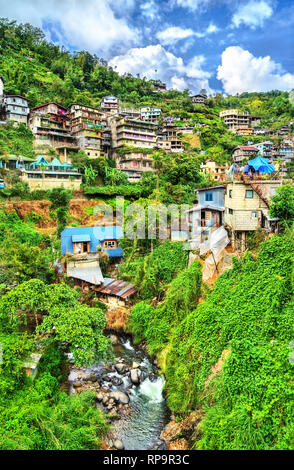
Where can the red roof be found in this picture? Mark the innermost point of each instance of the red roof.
(246, 147)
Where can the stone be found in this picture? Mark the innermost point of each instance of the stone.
(121, 368)
(105, 400)
(135, 365)
(118, 445)
(91, 378)
(99, 396)
(152, 377)
(114, 340)
(116, 381)
(120, 397)
(135, 376)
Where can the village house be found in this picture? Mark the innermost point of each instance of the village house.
(82, 246)
(109, 105)
(244, 130)
(246, 208)
(50, 125)
(243, 153)
(207, 215)
(134, 163)
(40, 174)
(132, 132)
(216, 171)
(16, 108)
(235, 119)
(265, 149)
(199, 99)
(169, 138)
(150, 114)
(88, 130)
(158, 86)
(132, 113)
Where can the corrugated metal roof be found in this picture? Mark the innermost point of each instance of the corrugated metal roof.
(87, 271)
(118, 288)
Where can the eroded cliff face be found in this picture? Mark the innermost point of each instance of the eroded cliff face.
(81, 211)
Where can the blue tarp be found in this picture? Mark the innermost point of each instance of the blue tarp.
(261, 164)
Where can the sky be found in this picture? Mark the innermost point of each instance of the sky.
(228, 46)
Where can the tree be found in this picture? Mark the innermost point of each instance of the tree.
(282, 203)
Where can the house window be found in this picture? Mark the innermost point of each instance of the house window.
(109, 244)
(231, 211)
(230, 193)
(253, 215)
(249, 194)
(208, 196)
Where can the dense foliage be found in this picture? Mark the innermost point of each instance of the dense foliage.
(247, 320)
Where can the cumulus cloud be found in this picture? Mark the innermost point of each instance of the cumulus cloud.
(192, 5)
(241, 71)
(96, 25)
(174, 34)
(171, 35)
(252, 14)
(155, 62)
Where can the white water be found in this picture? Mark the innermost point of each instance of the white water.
(152, 390)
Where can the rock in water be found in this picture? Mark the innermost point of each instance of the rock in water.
(114, 340)
(119, 445)
(121, 368)
(135, 376)
(120, 397)
(135, 365)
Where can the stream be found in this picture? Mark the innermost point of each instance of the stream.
(140, 407)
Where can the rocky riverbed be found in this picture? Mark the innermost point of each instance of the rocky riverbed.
(130, 391)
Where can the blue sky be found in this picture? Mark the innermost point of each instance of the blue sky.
(221, 45)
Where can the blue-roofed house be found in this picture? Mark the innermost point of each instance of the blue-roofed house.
(79, 240)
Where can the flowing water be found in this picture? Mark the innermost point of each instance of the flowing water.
(140, 429)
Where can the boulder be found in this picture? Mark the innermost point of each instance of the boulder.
(118, 445)
(114, 340)
(99, 396)
(116, 381)
(91, 378)
(121, 368)
(120, 397)
(135, 376)
(135, 365)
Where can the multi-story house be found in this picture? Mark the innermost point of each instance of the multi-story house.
(51, 127)
(16, 108)
(244, 153)
(265, 149)
(41, 174)
(234, 119)
(158, 86)
(199, 99)
(134, 164)
(150, 114)
(169, 138)
(87, 127)
(110, 105)
(216, 171)
(246, 208)
(132, 132)
(207, 215)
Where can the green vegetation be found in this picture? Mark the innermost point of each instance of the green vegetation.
(247, 318)
(38, 316)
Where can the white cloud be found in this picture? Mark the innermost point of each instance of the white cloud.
(192, 5)
(96, 25)
(252, 14)
(150, 10)
(240, 71)
(173, 34)
(170, 68)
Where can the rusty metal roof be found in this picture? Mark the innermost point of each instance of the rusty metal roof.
(117, 288)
